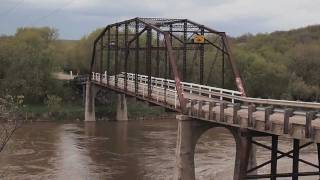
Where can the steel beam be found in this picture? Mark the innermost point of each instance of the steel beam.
(201, 60)
(136, 84)
(126, 56)
(274, 155)
(184, 63)
(175, 72)
(158, 55)
(108, 56)
(148, 59)
(116, 56)
(287, 154)
(295, 162)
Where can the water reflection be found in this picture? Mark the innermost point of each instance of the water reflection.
(72, 160)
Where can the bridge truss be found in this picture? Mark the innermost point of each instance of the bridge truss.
(177, 49)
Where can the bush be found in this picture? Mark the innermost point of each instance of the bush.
(54, 103)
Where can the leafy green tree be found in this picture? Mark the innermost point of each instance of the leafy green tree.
(29, 63)
(9, 117)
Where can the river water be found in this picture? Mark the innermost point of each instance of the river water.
(134, 150)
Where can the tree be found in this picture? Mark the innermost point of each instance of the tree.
(28, 57)
(9, 119)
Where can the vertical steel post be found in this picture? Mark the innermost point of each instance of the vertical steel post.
(170, 29)
(92, 60)
(318, 149)
(201, 58)
(274, 159)
(148, 59)
(222, 68)
(184, 68)
(295, 163)
(108, 56)
(116, 55)
(165, 74)
(158, 55)
(101, 58)
(126, 57)
(136, 85)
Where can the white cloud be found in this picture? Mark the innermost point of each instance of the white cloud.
(233, 16)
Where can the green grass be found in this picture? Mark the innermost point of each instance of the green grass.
(136, 109)
(76, 111)
(35, 108)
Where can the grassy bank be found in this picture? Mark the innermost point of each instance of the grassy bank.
(41, 112)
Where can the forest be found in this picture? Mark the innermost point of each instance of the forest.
(281, 65)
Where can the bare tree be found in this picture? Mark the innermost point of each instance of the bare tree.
(9, 118)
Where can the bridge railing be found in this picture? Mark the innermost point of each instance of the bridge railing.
(225, 94)
(202, 90)
(211, 92)
(294, 118)
(161, 92)
(81, 78)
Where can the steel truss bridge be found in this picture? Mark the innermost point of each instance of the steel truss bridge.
(189, 68)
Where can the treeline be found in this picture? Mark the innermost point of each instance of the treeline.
(27, 61)
(281, 65)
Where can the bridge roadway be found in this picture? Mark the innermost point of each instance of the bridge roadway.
(293, 119)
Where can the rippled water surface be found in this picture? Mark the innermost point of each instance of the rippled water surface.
(120, 151)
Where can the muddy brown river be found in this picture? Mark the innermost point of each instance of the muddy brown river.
(135, 150)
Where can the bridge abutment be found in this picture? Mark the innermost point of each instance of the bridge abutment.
(89, 114)
(122, 110)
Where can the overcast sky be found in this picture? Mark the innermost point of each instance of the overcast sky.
(75, 18)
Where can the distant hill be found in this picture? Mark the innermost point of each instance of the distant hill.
(281, 64)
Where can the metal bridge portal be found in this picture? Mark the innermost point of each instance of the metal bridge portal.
(177, 49)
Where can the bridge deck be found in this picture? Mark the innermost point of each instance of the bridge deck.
(226, 107)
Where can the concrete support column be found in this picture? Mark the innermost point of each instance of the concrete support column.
(189, 131)
(253, 159)
(122, 111)
(244, 147)
(84, 94)
(89, 114)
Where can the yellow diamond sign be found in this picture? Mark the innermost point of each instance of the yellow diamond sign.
(198, 39)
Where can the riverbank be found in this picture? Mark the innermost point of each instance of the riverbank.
(75, 112)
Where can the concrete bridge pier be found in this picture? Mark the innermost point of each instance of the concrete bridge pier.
(243, 159)
(84, 94)
(190, 130)
(122, 110)
(89, 114)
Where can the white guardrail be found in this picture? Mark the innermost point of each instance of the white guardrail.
(160, 93)
(207, 91)
(169, 84)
